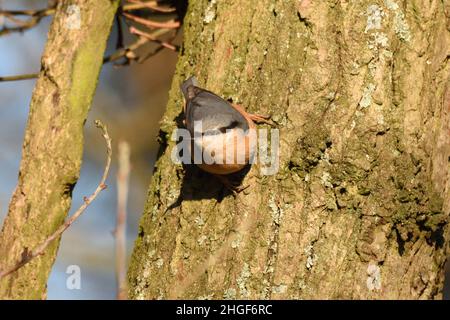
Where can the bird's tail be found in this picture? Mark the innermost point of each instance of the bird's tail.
(192, 81)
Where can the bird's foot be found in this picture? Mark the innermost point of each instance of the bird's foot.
(233, 186)
(257, 118)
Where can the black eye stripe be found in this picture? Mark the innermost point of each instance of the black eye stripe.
(222, 130)
(232, 125)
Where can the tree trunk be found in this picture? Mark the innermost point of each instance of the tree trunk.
(359, 207)
(53, 145)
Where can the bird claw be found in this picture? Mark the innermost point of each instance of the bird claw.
(233, 186)
(258, 118)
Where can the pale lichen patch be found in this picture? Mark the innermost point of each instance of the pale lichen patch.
(206, 297)
(276, 211)
(366, 99)
(311, 257)
(236, 243)
(154, 212)
(242, 281)
(159, 263)
(139, 291)
(173, 194)
(375, 16)
(229, 294)
(401, 27)
(373, 281)
(391, 5)
(73, 20)
(201, 240)
(380, 40)
(199, 221)
(210, 12)
(326, 179)
(280, 289)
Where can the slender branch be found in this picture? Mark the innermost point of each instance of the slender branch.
(127, 52)
(150, 37)
(123, 176)
(28, 255)
(36, 17)
(150, 5)
(19, 77)
(31, 13)
(172, 24)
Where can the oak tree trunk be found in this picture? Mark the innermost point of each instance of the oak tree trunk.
(359, 207)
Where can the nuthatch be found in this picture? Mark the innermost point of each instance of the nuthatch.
(225, 129)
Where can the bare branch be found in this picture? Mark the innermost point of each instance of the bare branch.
(30, 13)
(150, 37)
(171, 24)
(123, 177)
(153, 5)
(128, 52)
(28, 255)
(36, 17)
(19, 77)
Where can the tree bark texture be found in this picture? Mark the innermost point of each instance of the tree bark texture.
(53, 143)
(359, 208)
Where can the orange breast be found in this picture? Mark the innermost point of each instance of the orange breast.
(231, 151)
(235, 149)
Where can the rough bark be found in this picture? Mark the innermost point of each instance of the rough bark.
(359, 207)
(53, 143)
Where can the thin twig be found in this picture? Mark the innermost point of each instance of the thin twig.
(123, 176)
(28, 255)
(127, 52)
(31, 13)
(36, 17)
(172, 24)
(150, 37)
(19, 77)
(150, 5)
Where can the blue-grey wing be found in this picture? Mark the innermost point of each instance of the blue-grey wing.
(215, 113)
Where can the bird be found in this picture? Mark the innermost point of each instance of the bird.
(226, 136)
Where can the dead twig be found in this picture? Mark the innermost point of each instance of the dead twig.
(28, 255)
(153, 5)
(171, 24)
(150, 37)
(123, 177)
(129, 51)
(36, 17)
(19, 77)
